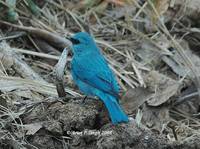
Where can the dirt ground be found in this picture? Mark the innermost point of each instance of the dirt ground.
(151, 45)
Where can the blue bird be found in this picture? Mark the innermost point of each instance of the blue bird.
(93, 76)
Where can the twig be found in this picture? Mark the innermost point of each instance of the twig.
(34, 85)
(13, 36)
(59, 73)
(53, 57)
(185, 98)
(52, 38)
(7, 56)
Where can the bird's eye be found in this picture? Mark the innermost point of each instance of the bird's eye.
(74, 41)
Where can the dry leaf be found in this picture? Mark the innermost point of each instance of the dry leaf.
(101, 7)
(32, 128)
(162, 86)
(148, 54)
(161, 7)
(178, 64)
(155, 117)
(134, 98)
(138, 117)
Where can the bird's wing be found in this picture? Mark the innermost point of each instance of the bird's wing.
(95, 72)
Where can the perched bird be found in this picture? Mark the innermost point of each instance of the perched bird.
(93, 76)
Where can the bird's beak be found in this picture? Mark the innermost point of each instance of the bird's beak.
(74, 41)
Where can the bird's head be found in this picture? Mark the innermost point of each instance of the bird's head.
(82, 43)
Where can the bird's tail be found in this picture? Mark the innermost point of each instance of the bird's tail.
(116, 113)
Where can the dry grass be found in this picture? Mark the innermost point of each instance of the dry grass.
(120, 32)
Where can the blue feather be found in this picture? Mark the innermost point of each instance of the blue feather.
(116, 113)
(93, 76)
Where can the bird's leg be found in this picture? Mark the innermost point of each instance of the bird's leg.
(83, 101)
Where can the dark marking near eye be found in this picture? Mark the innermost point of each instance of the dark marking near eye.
(74, 41)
